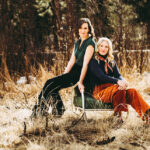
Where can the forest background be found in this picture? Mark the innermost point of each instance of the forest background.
(36, 41)
(42, 32)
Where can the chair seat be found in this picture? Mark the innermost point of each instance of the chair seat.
(90, 102)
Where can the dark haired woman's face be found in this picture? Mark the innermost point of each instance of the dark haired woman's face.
(103, 48)
(83, 30)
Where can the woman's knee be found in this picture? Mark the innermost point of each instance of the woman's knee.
(131, 95)
(131, 91)
(48, 82)
(120, 92)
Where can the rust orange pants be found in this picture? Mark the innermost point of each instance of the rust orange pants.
(121, 98)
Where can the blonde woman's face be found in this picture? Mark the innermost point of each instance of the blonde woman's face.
(83, 30)
(103, 48)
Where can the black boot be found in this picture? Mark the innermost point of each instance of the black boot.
(40, 109)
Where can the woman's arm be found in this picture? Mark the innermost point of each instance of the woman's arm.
(70, 63)
(97, 71)
(121, 82)
(117, 74)
(87, 57)
(99, 74)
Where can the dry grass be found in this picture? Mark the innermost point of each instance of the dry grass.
(101, 131)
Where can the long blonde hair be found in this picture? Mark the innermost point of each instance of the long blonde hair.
(110, 56)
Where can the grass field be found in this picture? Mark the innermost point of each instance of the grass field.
(101, 131)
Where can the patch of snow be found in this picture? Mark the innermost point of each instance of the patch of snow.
(23, 80)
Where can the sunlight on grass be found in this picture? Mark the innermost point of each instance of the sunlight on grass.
(17, 101)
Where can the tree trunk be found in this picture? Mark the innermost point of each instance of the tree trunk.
(148, 34)
(57, 13)
(71, 26)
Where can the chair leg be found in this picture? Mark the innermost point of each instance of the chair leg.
(83, 106)
(84, 116)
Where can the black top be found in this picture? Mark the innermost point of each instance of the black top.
(98, 74)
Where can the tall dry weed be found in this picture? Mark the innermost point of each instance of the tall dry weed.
(69, 132)
(5, 72)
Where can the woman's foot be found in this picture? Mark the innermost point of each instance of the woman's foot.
(147, 117)
(119, 117)
(118, 120)
(117, 114)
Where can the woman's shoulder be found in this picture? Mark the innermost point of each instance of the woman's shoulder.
(91, 41)
(95, 59)
(113, 63)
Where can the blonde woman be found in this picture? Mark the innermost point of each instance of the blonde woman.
(110, 87)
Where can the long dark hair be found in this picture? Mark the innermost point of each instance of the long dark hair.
(86, 20)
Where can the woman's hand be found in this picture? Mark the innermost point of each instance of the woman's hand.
(81, 86)
(122, 84)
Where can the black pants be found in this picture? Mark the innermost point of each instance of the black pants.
(52, 87)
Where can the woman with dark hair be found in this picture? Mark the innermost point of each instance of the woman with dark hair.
(75, 71)
(110, 87)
